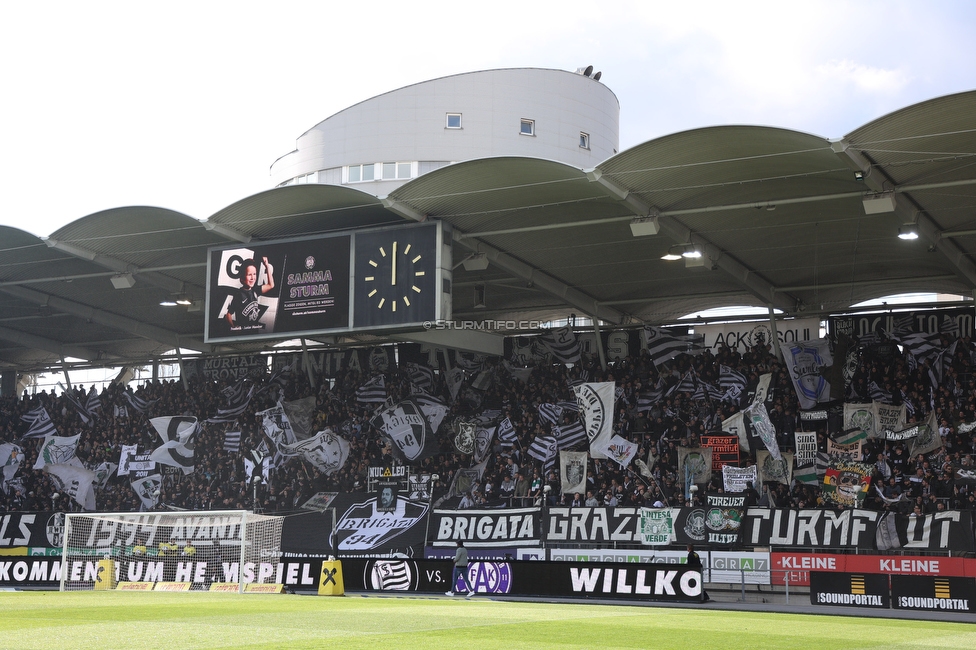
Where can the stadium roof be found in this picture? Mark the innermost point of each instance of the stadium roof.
(779, 216)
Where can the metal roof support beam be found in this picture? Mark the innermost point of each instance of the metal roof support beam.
(640, 207)
(402, 209)
(108, 319)
(227, 231)
(748, 278)
(164, 282)
(40, 343)
(906, 207)
(573, 296)
(681, 234)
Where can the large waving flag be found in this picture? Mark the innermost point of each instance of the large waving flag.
(178, 434)
(40, 424)
(595, 402)
(410, 428)
(663, 346)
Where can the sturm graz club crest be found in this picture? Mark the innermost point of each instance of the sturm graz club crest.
(391, 575)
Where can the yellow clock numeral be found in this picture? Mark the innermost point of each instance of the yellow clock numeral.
(373, 264)
(407, 249)
(416, 288)
(371, 293)
(414, 260)
(406, 301)
(368, 278)
(382, 252)
(419, 273)
(393, 305)
(380, 306)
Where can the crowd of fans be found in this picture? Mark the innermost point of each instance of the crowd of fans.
(220, 480)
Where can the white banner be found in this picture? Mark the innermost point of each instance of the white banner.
(805, 361)
(656, 526)
(572, 471)
(806, 447)
(596, 405)
(742, 336)
(736, 478)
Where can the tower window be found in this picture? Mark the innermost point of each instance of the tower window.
(454, 120)
(527, 127)
(584, 140)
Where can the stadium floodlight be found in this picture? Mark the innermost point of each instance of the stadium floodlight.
(908, 232)
(196, 547)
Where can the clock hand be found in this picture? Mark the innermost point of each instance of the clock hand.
(393, 281)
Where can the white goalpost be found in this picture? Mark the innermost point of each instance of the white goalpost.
(198, 548)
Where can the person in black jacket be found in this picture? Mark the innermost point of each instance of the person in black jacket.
(694, 562)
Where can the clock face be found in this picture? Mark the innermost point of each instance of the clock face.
(395, 274)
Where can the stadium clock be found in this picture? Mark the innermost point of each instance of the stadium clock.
(396, 274)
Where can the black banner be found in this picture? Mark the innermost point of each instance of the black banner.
(367, 361)
(214, 368)
(933, 593)
(36, 572)
(929, 321)
(850, 589)
(31, 529)
(362, 529)
(507, 527)
(938, 531)
(593, 525)
(717, 524)
(810, 528)
(529, 578)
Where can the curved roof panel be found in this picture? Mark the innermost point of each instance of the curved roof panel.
(780, 217)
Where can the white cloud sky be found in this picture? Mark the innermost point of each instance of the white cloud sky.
(186, 105)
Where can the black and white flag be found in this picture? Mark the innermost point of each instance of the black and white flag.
(236, 405)
(662, 345)
(411, 430)
(373, 391)
(40, 424)
(506, 434)
(596, 405)
(138, 403)
(232, 441)
(732, 382)
(544, 449)
(570, 435)
(563, 344)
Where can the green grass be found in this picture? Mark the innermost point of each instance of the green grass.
(48, 620)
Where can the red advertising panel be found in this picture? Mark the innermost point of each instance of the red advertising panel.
(796, 567)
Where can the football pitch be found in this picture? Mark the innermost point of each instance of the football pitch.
(49, 620)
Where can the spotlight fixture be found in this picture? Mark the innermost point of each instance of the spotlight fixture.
(908, 232)
(673, 254)
(123, 281)
(687, 251)
(644, 226)
(167, 302)
(859, 175)
(879, 203)
(475, 262)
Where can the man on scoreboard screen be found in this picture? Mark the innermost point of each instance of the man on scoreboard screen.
(242, 309)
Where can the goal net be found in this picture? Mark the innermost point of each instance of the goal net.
(195, 547)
